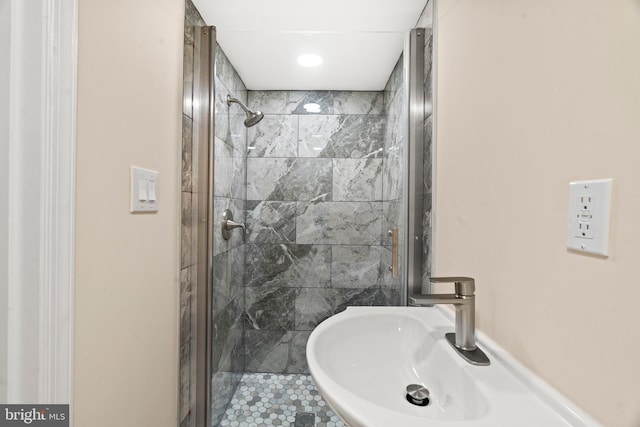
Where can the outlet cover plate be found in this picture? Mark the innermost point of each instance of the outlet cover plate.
(589, 216)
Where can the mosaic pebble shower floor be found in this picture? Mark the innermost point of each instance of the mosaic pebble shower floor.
(278, 400)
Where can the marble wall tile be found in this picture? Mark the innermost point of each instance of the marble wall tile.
(395, 80)
(323, 102)
(288, 265)
(224, 69)
(289, 179)
(355, 266)
(346, 223)
(230, 128)
(229, 172)
(228, 278)
(270, 308)
(276, 351)
(186, 230)
(185, 380)
(271, 222)
(427, 155)
(290, 102)
(228, 350)
(185, 304)
(185, 340)
(313, 305)
(315, 134)
(341, 136)
(187, 154)
(187, 79)
(349, 102)
(392, 184)
(275, 136)
(392, 216)
(428, 72)
(357, 180)
(192, 19)
(426, 240)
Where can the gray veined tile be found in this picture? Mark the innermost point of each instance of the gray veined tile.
(392, 182)
(289, 179)
(427, 154)
(288, 265)
(229, 171)
(271, 222)
(187, 154)
(270, 308)
(392, 216)
(314, 102)
(315, 305)
(186, 285)
(274, 136)
(355, 266)
(276, 351)
(230, 128)
(315, 134)
(223, 169)
(356, 102)
(228, 276)
(186, 230)
(357, 179)
(187, 79)
(290, 102)
(347, 223)
(341, 136)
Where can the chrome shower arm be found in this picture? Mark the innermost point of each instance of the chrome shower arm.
(231, 99)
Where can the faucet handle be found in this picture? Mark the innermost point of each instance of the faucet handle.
(464, 285)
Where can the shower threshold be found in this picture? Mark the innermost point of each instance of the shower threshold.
(292, 400)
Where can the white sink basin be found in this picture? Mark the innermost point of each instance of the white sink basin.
(363, 359)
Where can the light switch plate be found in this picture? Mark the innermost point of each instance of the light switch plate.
(144, 190)
(589, 216)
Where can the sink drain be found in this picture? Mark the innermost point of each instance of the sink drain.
(417, 395)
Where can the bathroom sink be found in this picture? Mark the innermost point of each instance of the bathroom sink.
(363, 359)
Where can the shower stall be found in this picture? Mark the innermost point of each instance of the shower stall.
(296, 205)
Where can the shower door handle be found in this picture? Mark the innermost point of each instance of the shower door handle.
(228, 224)
(393, 268)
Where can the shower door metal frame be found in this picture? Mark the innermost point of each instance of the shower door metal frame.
(205, 93)
(414, 161)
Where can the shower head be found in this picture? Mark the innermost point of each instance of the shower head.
(253, 117)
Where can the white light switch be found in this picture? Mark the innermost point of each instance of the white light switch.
(144, 190)
(589, 216)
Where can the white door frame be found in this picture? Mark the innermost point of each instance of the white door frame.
(40, 202)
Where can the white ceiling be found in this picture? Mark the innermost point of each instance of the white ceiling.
(360, 41)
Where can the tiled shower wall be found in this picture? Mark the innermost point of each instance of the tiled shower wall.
(317, 183)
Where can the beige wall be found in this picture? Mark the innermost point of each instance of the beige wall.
(532, 95)
(126, 312)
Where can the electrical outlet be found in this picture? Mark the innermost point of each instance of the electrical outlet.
(589, 216)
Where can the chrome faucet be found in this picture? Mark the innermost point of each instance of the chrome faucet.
(464, 302)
